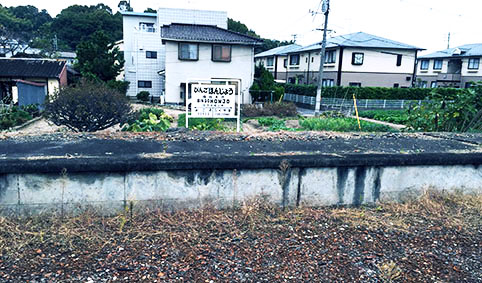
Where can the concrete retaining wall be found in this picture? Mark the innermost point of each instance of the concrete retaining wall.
(111, 192)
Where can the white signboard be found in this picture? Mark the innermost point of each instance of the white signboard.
(214, 98)
(213, 101)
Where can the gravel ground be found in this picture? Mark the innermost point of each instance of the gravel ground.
(436, 238)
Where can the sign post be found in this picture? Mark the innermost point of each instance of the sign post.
(214, 98)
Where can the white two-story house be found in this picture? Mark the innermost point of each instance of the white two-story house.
(454, 67)
(357, 59)
(144, 53)
(274, 60)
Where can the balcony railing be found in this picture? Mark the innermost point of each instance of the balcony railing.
(449, 77)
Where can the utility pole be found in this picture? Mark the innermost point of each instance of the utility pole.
(326, 11)
(448, 41)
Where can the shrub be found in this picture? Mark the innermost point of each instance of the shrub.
(87, 107)
(143, 95)
(13, 117)
(371, 92)
(279, 109)
(201, 124)
(120, 86)
(273, 124)
(460, 113)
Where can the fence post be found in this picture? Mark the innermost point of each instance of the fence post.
(403, 102)
(384, 103)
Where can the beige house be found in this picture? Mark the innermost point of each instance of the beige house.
(275, 60)
(357, 59)
(454, 67)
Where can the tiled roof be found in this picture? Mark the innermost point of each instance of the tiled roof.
(31, 68)
(282, 50)
(359, 39)
(467, 50)
(205, 33)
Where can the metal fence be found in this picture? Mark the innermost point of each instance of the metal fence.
(348, 103)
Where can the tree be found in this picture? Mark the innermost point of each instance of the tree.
(13, 31)
(87, 107)
(125, 6)
(98, 57)
(31, 14)
(150, 10)
(77, 23)
(268, 44)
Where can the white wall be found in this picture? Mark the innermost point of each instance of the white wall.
(179, 71)
(431, 71)
(471, 73)
(379, 61)
(137, 66)
(136, 43)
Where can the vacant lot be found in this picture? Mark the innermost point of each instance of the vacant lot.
(437, 238)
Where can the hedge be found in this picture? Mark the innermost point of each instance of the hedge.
(371, 92)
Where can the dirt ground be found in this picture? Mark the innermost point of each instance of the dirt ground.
(436, 238)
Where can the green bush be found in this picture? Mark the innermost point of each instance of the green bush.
(120, 86)
(372, 92)
(143, 95)
(273, 124)
(201, 124)
(460, 113)
(149, 120)
(341, 125)
(13, 117)
(87, 106)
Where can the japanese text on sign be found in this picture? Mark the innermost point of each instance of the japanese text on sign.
(217, 101)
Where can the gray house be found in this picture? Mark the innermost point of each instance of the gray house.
(357, 59)
(454, 67)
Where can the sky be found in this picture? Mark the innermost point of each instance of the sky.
(423, 23)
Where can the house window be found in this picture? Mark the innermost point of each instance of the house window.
(422, 84)
(312, 59)
(396, 85)
(285, 63)
(355, 84)
(437, 64)
(330, 56)
(147, 27)
(474, 63)
(270, 61)
(188, 51)
(328, 83)
(221, 53)
(151, 54)
(144, 84)
(357, 58)
(424, 65)
(433, 84)
(295, 60)
(399, 60)
(468, 84)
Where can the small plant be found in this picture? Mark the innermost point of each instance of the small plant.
(273, 124)
(14, 116)
(390, 116)
(143, 95)
(279, 109)
(87, 107)
(149, 120)
(202, 124)
(389, 272)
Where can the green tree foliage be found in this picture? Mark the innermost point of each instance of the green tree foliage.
(449, 113)
(125, 6)
(268, 44)
(88, 107)
(98, 57)
(13, 31)
(150, 10)
(32, 15)
(77, 23)
(264, 87)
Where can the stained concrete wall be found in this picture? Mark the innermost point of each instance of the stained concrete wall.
(111, 192)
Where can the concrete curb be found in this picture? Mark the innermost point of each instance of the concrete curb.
(129, 163)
